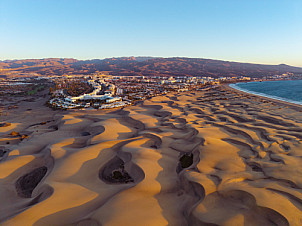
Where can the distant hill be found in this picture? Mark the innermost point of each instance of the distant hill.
(147, 66)
(47, 62)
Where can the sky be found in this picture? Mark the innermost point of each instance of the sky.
(256, 31)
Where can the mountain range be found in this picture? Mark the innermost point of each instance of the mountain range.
(147, 66)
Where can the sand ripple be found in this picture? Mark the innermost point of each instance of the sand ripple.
(216, 157)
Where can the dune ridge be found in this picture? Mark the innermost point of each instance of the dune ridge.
(215, 157)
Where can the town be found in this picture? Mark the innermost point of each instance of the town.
(100, 91)
(103, 91)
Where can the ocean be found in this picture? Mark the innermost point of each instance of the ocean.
(286, 90)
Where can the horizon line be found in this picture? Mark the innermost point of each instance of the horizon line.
(85, 59)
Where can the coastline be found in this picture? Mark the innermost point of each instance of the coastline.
(276, 101)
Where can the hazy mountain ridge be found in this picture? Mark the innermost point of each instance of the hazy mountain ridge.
(9, 64)
(175, 66)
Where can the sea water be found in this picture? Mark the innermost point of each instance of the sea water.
(286, 90)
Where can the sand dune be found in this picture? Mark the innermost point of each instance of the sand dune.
(217, 157)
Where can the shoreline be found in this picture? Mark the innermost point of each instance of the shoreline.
(266, 95)
(279, 102)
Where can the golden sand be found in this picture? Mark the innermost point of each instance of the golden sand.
(217, 157)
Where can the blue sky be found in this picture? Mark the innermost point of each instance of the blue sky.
(261, 31)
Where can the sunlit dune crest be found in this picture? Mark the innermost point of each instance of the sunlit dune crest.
(216, 157)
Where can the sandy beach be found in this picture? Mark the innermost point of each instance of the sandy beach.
(215, 157)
